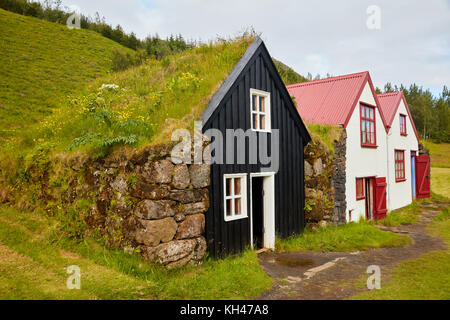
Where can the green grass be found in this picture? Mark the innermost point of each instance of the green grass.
(440, 178)
(43, 62)
(406, 215)
(326, 134)
(427, 277)
(439, 152)
(348, 237)
(152, 100)
(28, 247)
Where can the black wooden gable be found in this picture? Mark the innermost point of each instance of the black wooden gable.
(230, 109)
(255, 50)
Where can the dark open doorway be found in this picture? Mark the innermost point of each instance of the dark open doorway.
(369, 198)
(258, 211)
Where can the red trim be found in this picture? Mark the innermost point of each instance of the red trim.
(375, 96)
(410, 117)
(402, 162)
(363, 189)
(403, 117)
(370, 120)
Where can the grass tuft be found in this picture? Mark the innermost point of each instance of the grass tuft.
(348, 237)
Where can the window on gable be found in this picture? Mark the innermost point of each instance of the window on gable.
(399, 165)
(403, 125)
(260, 110)
(368, 128)
(235, 189)
(360, 189)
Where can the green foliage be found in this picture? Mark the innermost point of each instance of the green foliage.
(348, 237)
(54, 12)
(122, 61)
(40, 65)
(431, 114)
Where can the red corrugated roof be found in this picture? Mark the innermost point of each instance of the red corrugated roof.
(389, 103)
(332, 100)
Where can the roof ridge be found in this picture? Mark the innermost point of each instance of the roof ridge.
(387, 94)
(327, 80)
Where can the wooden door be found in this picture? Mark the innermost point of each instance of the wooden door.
(423, 176)
(380, 198)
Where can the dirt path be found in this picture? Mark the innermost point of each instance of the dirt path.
(333, 275)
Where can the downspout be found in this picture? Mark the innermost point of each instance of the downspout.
(388, 163)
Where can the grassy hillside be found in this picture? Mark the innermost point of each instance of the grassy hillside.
(142, 104)
(288, 75)
(440, 153)
(41, 63)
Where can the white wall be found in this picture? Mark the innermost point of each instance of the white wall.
(363, 162)
(400, 193)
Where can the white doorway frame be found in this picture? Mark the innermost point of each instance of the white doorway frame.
(269, 208)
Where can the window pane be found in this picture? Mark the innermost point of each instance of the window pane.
(372, 138)
(229, 209)
(262, 104)
(228, 187)
(254, 102)
(372, 129)
(237, 186)
(371, 113)
(255, 121)
(262, 122)
(237, 206)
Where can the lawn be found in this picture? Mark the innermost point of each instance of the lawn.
(440, 154)
(33, 265)
(440, 181)
(348, 237)
(427, 277)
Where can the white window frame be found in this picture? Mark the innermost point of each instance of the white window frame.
(266, 113)
(243, 196)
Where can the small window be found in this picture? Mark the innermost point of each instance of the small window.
(260, 110)
(235, 189)
(360, 194)
(368, 128)
(403, 125)
(399, 166)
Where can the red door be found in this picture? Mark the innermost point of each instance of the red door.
(380, 198)
(423, 176)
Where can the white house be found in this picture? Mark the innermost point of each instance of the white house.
(377, 153)
(402, 148)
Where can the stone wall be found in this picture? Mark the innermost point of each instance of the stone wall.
(339, 179)
(325, 181)
(143, 203)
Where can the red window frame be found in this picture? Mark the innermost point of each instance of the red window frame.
(403, 124)
(362, 195)
(368, 117)
(399, 168)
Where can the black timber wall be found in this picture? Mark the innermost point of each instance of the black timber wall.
(233, 113)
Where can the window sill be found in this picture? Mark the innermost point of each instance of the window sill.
(370, 146)
(235, 218)
(400, 180)
(263, 131)
(404, 134)
(360, 198)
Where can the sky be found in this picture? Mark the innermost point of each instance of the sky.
(401, 41)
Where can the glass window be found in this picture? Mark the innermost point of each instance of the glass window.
(235, 196)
